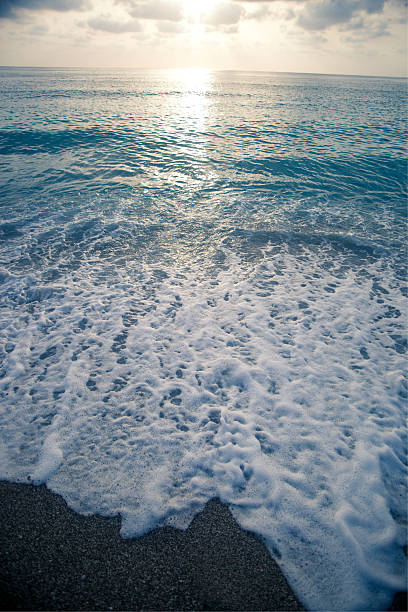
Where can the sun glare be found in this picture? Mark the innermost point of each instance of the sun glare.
(193, 80)
(195, 8)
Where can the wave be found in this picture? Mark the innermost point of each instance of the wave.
(278, 388)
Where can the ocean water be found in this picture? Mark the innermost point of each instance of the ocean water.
(203, 294)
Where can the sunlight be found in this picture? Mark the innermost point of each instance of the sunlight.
(195, 8)
(194, 81)
(193, 84)
(189, 111)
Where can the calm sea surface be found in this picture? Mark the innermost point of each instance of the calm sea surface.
(202, 294)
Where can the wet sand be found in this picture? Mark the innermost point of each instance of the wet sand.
(54, 559)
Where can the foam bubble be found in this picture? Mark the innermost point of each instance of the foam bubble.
(49, 460)
(277, 386)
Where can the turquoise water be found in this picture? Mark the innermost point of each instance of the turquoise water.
(202, 293)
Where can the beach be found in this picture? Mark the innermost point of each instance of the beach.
(52, 558)
(202, 296)
(55, 559)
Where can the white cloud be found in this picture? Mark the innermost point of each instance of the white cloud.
(223, 14)
(170, 27)
(167, 10)
(260, 13)
(39, 30)
(106, 24)
(362, 30)
(351, 36)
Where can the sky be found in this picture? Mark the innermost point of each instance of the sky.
(366, 37)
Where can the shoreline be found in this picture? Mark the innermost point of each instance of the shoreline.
(52, 558)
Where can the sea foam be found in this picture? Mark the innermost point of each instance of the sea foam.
(201, 294)
(277, 387)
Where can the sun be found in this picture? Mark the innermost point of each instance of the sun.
(193, 9)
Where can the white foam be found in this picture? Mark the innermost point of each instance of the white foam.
(49, 460)
(276, 388)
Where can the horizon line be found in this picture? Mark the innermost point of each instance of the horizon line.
(368, 76)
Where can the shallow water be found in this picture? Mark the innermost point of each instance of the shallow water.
(202, 294)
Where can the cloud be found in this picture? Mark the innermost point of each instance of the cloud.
(9, 9)
(167, 10)
(39, 30)
(324, 14)
(223, 14)
(170, 27)
(260, 13)
(105, 24)
(265, 1)
(361, 30)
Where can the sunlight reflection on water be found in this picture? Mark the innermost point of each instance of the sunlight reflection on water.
(189, 113)
(201, 293)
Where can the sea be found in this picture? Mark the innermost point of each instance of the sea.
(202, 294)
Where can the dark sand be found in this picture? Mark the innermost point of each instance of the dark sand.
(54, 559)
